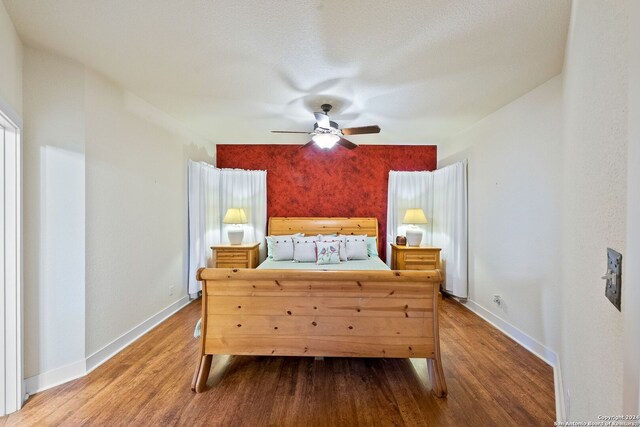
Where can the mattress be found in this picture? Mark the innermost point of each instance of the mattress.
(373, 263)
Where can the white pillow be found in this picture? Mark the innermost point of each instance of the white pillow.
(282, 248)
(270, 240)
(304, 249)
(372, 246)
(357, 247)
(326, 237)
(343, 244)
(328, 252)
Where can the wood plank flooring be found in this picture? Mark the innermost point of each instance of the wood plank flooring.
(492, 382)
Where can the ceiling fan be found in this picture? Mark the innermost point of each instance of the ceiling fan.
(326, 133)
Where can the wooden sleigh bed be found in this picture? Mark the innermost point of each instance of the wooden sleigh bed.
(361, 313)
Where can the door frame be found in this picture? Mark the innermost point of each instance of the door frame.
(11, 355)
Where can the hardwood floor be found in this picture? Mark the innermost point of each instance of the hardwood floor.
(499, 383)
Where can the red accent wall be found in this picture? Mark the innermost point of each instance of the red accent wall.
(336, 182)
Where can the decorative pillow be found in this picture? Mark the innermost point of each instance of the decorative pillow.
(357, 247)
(326, 237)
(343, 245)
(304, 249)
(270, 242)
(372, 246)
(282, 248)
(328, 252)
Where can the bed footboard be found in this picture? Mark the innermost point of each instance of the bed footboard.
(320, 313)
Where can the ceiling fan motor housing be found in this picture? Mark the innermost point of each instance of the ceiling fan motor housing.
(333, 129)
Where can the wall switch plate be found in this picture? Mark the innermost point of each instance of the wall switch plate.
(613, 288)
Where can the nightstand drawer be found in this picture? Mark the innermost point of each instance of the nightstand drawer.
(412, 257)
(419, 266)
(231, 264)
(232, 255)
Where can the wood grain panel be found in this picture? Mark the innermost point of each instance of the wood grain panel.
(340, 346)
(321, 306)
(323, 225)
(219, 274)
(319, 289)
(352, 287)
(230, 325)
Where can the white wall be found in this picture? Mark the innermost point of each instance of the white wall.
(514, 203)
(10, 64)
(594, 190)
(540, 205)
(136, 210)
(54, 200)
(106, 215)
(631, 273)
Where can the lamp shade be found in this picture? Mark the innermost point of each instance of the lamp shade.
(414, 216)
(235, 216)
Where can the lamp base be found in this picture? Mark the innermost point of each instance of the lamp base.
(235, 235)
(414, 236)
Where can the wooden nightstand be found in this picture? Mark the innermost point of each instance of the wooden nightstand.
(235, 256)
(414, 257)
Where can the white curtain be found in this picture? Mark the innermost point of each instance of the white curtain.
(247, 190)
(211, 192)
(408, 190)
(204, 218)
(442, 195)
(449, 225)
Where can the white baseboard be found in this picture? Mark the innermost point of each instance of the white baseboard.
(81, 368)
(561, 411)
(55, 377)
(543, 352)
(119, 344)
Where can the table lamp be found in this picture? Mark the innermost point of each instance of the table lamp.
(235, 217)
(414, 234)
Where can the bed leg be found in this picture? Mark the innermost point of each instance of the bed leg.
(436, 375)
(201, 374)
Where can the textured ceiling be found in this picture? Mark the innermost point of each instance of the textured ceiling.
(233, 70)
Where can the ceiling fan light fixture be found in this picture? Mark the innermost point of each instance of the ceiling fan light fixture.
(325, 140)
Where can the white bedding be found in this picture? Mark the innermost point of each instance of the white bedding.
(373, 263)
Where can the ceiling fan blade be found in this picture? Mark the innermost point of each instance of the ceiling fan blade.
(287, 131)
(361, 130)
(323, 120)
(308, 144)
(346, 144)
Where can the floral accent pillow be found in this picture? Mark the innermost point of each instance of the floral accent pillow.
(328, 252)
(343, 244)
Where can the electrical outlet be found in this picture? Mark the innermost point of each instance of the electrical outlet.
(613, 287)
(497, 300)
(171, 289)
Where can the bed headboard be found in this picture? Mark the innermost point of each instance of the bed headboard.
(319, 225)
